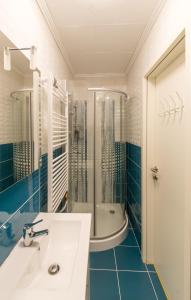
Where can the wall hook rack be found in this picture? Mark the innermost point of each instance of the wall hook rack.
(170, 105)
(181, 107)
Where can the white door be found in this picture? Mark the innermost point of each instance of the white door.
(169, 188)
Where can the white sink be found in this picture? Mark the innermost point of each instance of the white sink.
(24, 275)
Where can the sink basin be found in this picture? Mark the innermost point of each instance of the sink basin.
(24, 275)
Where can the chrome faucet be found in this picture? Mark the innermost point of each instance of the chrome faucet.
(29, 234)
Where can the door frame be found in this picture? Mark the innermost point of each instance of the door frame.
(147, 150)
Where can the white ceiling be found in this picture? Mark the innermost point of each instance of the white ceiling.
(100, 36)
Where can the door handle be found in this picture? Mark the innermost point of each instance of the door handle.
(155, 177)
(155, 169)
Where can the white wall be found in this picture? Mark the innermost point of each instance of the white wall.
(79, 87)
(118, 83)
(170, 23)
(22, 22)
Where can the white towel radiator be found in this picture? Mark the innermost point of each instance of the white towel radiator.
(57, 142)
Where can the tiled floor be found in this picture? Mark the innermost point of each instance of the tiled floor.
(119, 274)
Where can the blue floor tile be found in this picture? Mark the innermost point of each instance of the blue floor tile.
(129, 258)
(129, 224)
(151, 268)
(103, 285)
(135, 286)
(158, 287)
(102, 260)
(130, 239)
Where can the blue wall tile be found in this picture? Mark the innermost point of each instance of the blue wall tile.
(44, 177)
(5, 183)
(134, 153)
(6, 152)
(13, 197)
(134, 171)
(6, 166)
(11, 231)
(120, 172)
(44, 182)
(19, 203)
(57, 152)
(133, 205)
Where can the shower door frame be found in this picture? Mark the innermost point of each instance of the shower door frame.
(94, 171)
(95, 90)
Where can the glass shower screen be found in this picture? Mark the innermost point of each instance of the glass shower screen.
(98, 160)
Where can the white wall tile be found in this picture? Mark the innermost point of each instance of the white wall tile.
(9, 82)
(22, 22)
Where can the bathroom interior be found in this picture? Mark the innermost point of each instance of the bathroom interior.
(95, 120)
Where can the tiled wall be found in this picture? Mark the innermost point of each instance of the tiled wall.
(9, 82)
(6, 166)
(134, 188)
(44, 182)
(117, 171)
(120, 172)
(19, 204)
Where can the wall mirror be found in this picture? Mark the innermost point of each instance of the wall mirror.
(19, 149)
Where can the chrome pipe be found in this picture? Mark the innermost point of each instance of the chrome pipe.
(107, 90)
(12, 94)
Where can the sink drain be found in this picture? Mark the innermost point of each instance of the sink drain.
(112, 211)
(53, 269)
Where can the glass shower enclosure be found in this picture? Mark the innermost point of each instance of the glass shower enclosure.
(97, 176)
(23, 144)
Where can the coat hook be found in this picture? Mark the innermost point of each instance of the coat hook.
(161, 114)
(181, 102)
(173, 110)
(169, 108)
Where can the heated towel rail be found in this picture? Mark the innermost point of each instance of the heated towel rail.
(57, 143)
